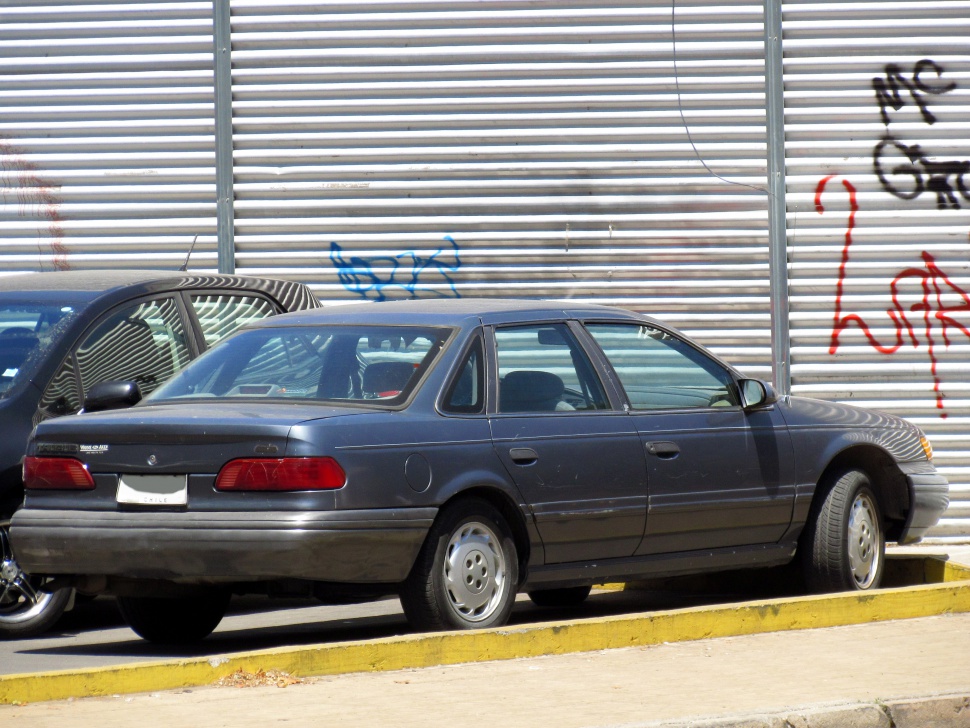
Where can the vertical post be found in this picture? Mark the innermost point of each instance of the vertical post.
(225, 214)
(777, 229)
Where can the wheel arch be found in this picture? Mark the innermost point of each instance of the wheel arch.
(887, 481)
(526, 541)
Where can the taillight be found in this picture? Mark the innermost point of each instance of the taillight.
(56, 474)
(281, 474)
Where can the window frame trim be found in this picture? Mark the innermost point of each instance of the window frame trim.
(592, 357)
(477, 335)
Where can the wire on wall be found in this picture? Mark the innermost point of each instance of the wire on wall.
(680, 107)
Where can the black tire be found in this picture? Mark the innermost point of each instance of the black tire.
(175, 620)
(22, 617)
(571, 596)
(25, 609)
(466, 573)
(843, 547)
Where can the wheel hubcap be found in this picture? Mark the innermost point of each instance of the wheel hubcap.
(864, 541)
(474, 572)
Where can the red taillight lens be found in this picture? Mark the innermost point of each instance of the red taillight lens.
(56, 474)
(281, 474)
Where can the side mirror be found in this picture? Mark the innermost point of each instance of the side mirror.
(111, 395)
(755, 393)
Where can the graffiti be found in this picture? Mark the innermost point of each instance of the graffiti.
(907, 170)
(889, 90)
(939, 302)
(35, 198)
(373, 277)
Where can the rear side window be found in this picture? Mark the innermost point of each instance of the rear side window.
(220, 314)
(466, 394)
(543, 369)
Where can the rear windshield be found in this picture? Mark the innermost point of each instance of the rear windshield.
(372, 364)
(28, 330)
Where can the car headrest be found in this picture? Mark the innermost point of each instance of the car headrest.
(531, 387)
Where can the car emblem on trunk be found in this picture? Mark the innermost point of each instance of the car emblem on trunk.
(152, 460)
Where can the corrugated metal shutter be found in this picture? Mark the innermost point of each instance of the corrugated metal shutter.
(877, 99)
(524, 148)
(106, 135)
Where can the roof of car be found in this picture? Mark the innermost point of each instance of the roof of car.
(444, 310)
(95, 280)
(90, 284)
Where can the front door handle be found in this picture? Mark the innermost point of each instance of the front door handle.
(523, 455)
(664, 450)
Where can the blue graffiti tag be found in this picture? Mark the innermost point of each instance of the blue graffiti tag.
(372, 277)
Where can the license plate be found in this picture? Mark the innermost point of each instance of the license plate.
(154, 490)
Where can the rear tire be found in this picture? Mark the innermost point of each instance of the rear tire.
(467, 572)
(571, 596)
(175, 620)
(843, 546)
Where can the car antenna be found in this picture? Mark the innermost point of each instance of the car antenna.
(185, 265)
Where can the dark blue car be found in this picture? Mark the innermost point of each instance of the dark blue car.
(456, 452)
(61, 333)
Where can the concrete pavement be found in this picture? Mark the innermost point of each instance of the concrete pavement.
(888, 672)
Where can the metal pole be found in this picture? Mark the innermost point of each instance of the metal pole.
(225, 213)
(777, 232)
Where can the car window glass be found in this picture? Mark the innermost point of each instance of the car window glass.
(28, 331)
(659, 370)
(466, 394)
(220, 315)
(543, 369)
(144, 342)
(61, 396)
(380, 364)
(284, 365)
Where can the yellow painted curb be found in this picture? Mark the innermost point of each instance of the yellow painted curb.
(446, 648)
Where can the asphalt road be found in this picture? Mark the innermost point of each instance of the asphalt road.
(95, 635)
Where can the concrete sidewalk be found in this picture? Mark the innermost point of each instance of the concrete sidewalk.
(902, 673)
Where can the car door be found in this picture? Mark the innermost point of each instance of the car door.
(718, 476)
(576, 461)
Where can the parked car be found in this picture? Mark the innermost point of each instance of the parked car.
(456, 452)
(61, 333)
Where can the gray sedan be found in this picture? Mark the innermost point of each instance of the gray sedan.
(456, 453)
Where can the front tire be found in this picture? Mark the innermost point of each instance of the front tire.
(175, 620)
(844, 547)
(467, 572)
(26, 610)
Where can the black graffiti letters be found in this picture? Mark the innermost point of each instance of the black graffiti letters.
(889, 89)
(907, 170)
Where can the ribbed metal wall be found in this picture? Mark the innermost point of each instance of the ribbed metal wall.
(524, 148)
(529, 148)
(877, 98)
(106, 134)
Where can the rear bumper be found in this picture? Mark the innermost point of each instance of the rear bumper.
(369, 546)
(929, 496)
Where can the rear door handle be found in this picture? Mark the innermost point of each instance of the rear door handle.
(664, 449)
(523, 455)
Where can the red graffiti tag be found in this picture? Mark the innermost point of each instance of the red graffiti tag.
(932, 309)
(36, 198)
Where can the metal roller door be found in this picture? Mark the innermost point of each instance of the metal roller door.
(106, 135)
(877, 97)
(509, 148)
